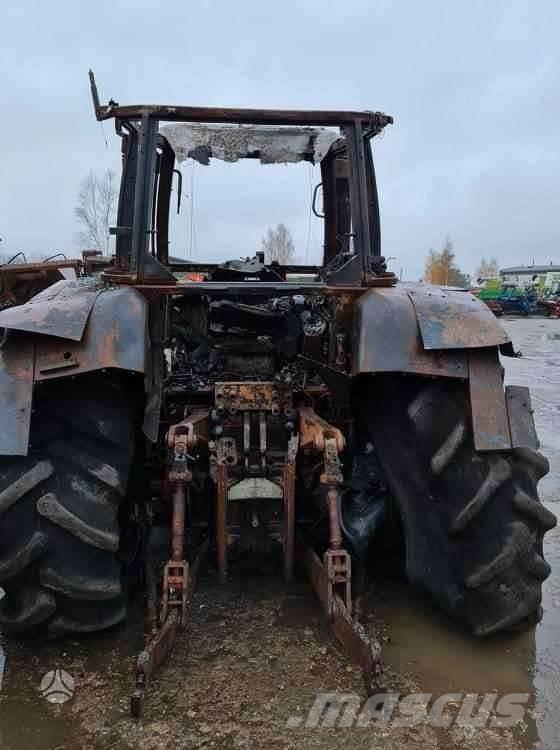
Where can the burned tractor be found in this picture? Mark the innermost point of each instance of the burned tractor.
(260, 407)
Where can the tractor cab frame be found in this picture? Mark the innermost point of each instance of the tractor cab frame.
(352, 243)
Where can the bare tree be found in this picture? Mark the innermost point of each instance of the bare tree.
(278, 245)
(95, 210)
(488, 269)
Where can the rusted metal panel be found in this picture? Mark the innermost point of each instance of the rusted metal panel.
(16, 393)
(386, 338)
(116, 336)
(520, 414)
(454, 319)
(488, 403)
(60, 310)
(249, 396)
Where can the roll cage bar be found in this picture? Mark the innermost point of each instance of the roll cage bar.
(148, 166)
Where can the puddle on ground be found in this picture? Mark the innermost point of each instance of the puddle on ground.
(443, 659)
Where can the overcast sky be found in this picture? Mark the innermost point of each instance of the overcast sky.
(473, 87)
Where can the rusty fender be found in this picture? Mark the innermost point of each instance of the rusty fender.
(63, 332)
(426, 330)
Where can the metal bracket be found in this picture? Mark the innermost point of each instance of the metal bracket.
(175, 587)
(332, 474)
(338, 566)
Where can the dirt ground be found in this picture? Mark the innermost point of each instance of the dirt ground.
(259, 652)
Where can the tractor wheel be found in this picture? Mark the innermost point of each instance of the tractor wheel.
(473, 522)
(60, 540)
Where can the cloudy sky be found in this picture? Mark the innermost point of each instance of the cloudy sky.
(473, 86)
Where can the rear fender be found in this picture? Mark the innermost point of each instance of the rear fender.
(425, 330)
(59, 310)
(42, 344)
(114, 337)
(386, 338)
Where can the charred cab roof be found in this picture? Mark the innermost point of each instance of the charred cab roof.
(371, 122)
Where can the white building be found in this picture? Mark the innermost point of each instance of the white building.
(530, 275)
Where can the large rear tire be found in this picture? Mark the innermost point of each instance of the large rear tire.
(60, 567)
(473, 522)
